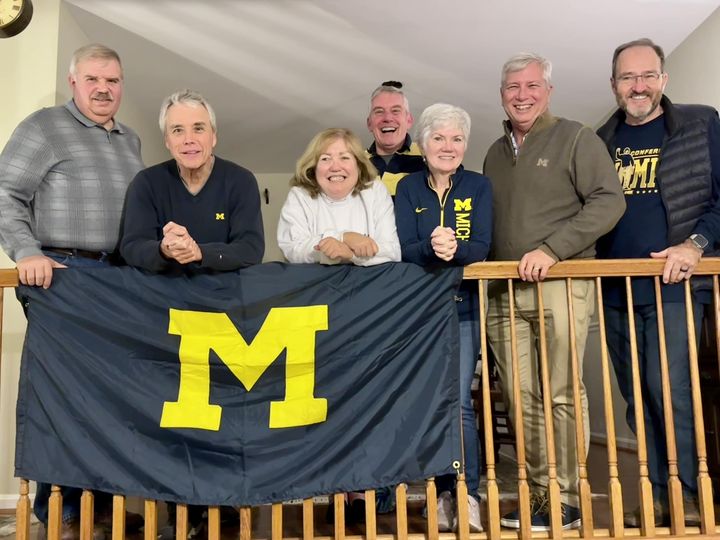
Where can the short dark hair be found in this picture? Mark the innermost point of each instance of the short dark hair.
(642, 42)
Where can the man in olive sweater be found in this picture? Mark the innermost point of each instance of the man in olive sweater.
(555, 191)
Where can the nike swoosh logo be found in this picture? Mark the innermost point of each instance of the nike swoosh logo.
(420, 210)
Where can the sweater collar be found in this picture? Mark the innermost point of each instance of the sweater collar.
(669, 111)
(84, 120)
(407, 143)
(544, 121)
(453, 177)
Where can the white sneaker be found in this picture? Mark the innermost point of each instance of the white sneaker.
(473, 516)
(445, 512)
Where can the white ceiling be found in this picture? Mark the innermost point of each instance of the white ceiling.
(277, 72)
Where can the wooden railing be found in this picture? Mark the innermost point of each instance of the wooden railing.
(400, 526)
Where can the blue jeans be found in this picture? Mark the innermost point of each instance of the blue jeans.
(71, 495)
(469, 347)
(676, 341)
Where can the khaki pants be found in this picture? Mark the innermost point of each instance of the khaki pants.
(560, 371)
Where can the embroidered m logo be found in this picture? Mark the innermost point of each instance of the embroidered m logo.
(541, 162)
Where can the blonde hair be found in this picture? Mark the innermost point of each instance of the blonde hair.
(94, 50)
(304, 176)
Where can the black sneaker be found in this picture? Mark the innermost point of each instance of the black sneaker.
(511, 520)
(570, 518)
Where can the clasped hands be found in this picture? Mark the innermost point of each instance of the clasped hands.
(444, 243)
(353, 245)
(177, 244)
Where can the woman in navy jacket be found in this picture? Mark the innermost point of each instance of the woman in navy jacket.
(444, 217)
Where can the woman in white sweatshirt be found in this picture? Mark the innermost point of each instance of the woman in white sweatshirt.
(337, 211)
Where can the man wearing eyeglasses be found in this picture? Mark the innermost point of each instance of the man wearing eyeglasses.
(668, 161)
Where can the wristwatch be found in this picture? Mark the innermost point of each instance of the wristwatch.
(699, 241)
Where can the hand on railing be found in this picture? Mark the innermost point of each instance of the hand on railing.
(534, 265)
(37, 270)
(681, 261)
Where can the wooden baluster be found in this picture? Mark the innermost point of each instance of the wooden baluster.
(181, 521)
(118, 517)
(647, 517)
(553, 486)
(401, 511)
(339, 508)
(150, 528)
(463, 520)
(370, 517)
(22, 514)
(614, 487)
(431, 509)
(213, 523)
(308, 520)
(584, 490)
(87, 515)
(493, 492)
(677, 515)
(523, 487)
(707, 511)
(54, 523)
(277, 522)
(245, 523)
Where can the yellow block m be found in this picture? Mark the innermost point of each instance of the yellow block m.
(291, 328)
(463, 205)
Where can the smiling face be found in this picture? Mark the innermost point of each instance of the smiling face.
(525, 96)
(97, 87)
(389, 121)
(444, 149)
(189, 136)
(637, 90)
(337, 171)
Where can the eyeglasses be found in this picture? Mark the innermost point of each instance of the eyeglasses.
(649, 78)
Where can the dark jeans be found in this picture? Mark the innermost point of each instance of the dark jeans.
(71, 495)
(676, 340)
(469, 347)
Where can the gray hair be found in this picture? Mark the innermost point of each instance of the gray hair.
(386, 88)
(642, 42)
(94, 50)
(520, 61)
(186, 97)
(440, 115)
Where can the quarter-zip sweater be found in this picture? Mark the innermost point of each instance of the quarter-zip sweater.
(558, 193)
(466, 207)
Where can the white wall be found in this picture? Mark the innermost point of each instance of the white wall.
(278, 186)
(29, 61)
(693, 74)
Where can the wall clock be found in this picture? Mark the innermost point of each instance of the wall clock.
(15, 15)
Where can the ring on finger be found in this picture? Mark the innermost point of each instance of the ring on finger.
(684, 269)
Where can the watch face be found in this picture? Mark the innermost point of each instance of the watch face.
(9, 11)
(699, 240)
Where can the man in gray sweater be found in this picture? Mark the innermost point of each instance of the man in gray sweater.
(63, 177)
(555, 191)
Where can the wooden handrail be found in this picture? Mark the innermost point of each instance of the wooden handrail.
(578, 268)
(586, 268)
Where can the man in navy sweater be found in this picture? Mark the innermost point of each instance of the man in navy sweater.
(195, 212)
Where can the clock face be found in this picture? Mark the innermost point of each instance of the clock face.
(15, 15)
(9, 11)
